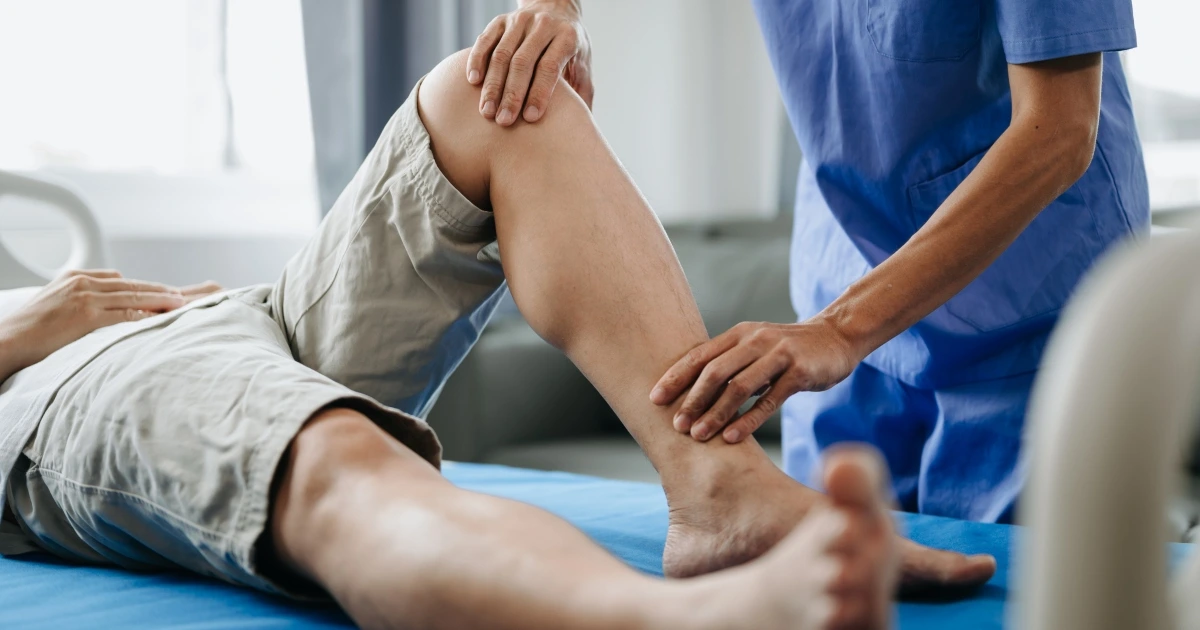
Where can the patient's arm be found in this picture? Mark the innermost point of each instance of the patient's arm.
(592, 271)
(77, 303)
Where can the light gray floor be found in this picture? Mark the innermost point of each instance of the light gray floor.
(612, 457)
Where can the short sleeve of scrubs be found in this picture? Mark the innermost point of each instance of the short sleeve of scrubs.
(1037, 30)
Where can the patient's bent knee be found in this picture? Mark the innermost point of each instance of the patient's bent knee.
(458, 133)
(468, 146)
(446, 96)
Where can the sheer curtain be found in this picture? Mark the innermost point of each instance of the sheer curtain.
(364, 56)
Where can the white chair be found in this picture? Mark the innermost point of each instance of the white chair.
(1112, 416)
(88, 249)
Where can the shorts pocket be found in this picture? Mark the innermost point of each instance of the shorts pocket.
(1036, 275)
(924, 30)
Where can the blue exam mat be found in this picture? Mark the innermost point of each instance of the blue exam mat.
(630, 519)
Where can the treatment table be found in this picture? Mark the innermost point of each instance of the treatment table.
(628, 518)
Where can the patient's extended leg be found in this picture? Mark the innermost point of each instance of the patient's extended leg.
(592, 271)
(400, 547)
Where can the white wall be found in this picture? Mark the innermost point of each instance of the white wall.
(1163, 74)
(686, 97)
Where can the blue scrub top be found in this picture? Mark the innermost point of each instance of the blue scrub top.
(893, 103)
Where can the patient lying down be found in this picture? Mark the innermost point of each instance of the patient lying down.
(269, 436)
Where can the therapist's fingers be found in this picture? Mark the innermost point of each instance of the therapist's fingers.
(549, 69)
(520, 72)
(748, 383)
(498, 67)
(579, 75)
(713, 380)
(749, 422)
(481, 51)
(685, 371)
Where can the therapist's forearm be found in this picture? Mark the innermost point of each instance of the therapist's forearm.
(1041, 155)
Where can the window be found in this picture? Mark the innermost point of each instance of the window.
(137, 101)
(1164, 81)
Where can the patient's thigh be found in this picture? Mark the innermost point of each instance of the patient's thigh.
(161, 452)
(400, 279)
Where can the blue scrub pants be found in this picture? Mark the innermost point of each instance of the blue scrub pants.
(952, 452)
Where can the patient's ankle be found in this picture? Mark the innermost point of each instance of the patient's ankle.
(716, 471)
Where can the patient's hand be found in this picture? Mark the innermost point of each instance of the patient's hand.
(77, 303)
(523, 53)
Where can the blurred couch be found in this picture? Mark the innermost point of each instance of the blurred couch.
(518, 401)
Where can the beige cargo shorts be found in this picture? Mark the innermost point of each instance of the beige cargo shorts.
(161, 451)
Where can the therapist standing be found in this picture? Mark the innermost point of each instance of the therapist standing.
(965, 163)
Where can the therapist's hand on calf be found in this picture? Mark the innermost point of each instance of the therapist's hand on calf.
(774, 360)
(520, 56)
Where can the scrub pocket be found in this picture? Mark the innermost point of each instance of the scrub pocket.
(1037, 273)
(924, 30)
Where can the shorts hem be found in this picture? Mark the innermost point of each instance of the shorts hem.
(431, 184)
(252, 519)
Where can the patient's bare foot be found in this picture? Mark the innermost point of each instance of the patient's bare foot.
(722, 517)
(730, 518)
(836, 569)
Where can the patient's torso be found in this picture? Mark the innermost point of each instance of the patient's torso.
(73, 380)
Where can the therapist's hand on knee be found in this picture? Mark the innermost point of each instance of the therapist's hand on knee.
(520, 56)
(772, 361)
